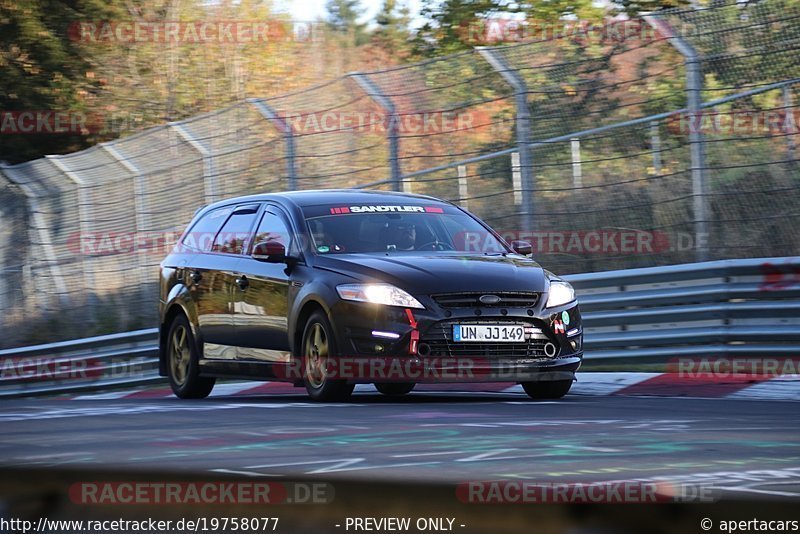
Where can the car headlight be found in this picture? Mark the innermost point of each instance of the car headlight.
(378, 294)
(560, 293)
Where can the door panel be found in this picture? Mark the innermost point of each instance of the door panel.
(261, 311)
(217, 274)
(212, 279)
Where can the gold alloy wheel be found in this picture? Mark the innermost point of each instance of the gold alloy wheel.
(179, 355)
(316, 356)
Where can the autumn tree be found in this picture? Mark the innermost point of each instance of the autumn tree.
(45, 69)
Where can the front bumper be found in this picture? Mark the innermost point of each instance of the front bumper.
(390, 344)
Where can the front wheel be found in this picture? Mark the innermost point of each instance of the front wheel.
(547, 390)
(395, 389)
(183, 368)
(318, 347)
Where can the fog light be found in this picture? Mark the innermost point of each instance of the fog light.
(378, 348)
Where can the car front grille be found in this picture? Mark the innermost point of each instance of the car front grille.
(515, 299)
(439, 340)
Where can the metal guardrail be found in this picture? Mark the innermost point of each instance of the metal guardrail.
(731, 307)
(103, 362)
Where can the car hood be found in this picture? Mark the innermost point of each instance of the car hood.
(441, 273)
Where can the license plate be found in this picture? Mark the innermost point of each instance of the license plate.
(494, 333)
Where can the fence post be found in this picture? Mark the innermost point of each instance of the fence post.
(577, 171)
(655, 147)
(288, 139)
(516, 179)
(5, 301)
(139, 204)
(694, 88)
(790, 127)
(374, 92)
(523, 133)
(463, 190)
(209, 176)
(84, 216)
(45, 241)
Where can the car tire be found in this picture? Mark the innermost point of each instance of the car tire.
(547, 390)
(317, 346)
(395, 389)
(183, 368)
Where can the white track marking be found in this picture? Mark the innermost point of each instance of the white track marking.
(781, 388)
(785, 388)
(113, 395)
(232, 388)
(607, 383)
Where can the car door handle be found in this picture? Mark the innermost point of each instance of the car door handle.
(195, 277)
(242, 282)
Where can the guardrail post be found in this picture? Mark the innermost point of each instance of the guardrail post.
(84, 216)
(374, 92)
(523, 133)
(694, 88)
(288, 139)
(209, 176)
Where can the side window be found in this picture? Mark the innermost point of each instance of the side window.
(233, 237)
(201, 236)
(273, 228)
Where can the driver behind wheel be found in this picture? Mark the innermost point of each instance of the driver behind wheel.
(401, 236)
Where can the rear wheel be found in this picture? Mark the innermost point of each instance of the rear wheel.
(396, 389)
(547, 390)
(183, 369)
(318, 347)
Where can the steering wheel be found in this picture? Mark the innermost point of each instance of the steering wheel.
(436, 245)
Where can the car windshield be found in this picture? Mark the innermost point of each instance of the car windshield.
(388, 228)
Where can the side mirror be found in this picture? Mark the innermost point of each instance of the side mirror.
(270, 252)
(522, 247)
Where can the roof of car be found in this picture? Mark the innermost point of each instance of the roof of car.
(313, 197)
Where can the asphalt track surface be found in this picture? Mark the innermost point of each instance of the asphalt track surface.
(743, 448)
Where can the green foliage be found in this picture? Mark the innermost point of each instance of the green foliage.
(393, 31)
(634, 7)
(447, 26)
(44, 70)
(343, 17)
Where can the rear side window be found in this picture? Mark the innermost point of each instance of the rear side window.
(201, 236)
(234, 235)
